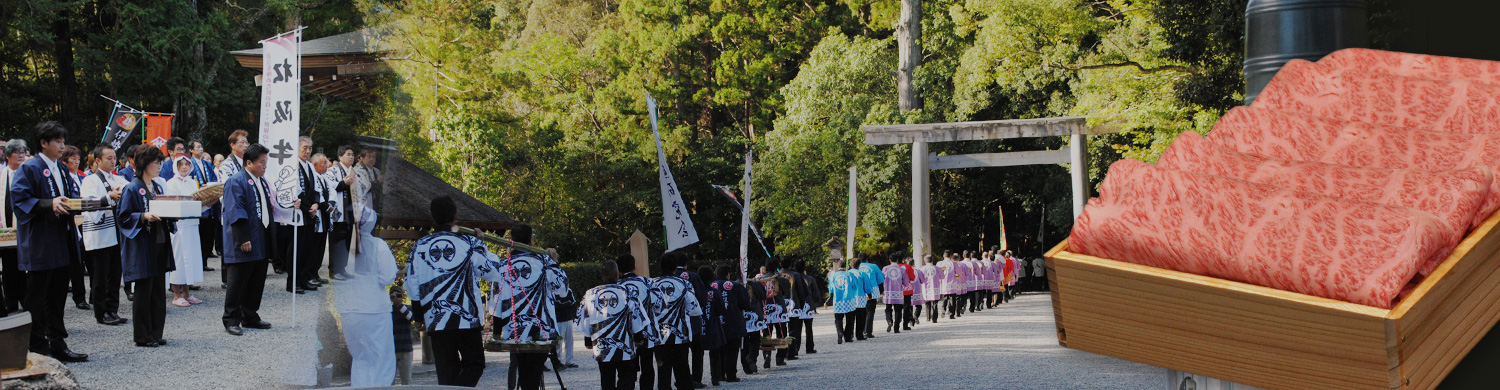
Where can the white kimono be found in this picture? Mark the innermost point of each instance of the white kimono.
(99, 229)
(187, 247)
(364, 306)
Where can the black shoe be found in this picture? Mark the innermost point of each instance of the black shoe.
(859, 339)
(841, 340)
(234, 329)
(69, 356)
(194, 287)
(123, 320)
(161, 342)
(83, 306)
(148, 344)
(299, 290)
(109, 320)
(570, 365)
(732, 380)
(322, 281)
(312, 282)
(792, 358)
(888, 328)
(259, 325)
(130, 296)
(224, 286)
(701, 385)
(781, 363)
(869, 336)
(339, 277)
(278, 270)
(208, 268)
(811, 351)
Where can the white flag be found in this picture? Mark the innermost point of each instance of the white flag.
(853, 214)
(745, 221)
(280, 99)
(680, 231)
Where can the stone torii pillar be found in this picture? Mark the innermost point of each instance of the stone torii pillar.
(923, 162)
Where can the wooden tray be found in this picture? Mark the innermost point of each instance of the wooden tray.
(1276, 339)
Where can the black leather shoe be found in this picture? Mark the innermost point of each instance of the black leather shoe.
(314, 283)
(69, 356)
(224, 286)
(322, 281)
(340, 277)
(259, 325)
(130, 296)
(83, 306)
(781, 363)
(117, 317)
(161, 342)
(194, 287)
(109, 320)
(299, 290)
(792, 358)
(208, 268)
(309, 287)
(732, 380)
(811, 351)
(148, 344)
(278, 270)
(234, 330)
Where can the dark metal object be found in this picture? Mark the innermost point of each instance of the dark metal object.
(1277, 31)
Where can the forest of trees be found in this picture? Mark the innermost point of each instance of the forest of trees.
(537, 107)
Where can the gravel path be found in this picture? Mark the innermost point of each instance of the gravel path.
(199, 354)
(1013, 346)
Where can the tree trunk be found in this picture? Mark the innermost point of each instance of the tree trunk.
(67, 81)
(908, 36)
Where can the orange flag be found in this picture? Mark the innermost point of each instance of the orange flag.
(158, 130)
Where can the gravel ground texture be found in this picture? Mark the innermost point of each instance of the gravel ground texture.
(1012, 346)
(199, 354)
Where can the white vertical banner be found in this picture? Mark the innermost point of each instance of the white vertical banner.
(679, 225)
(745, 221)
(280, 102)
(853, 214)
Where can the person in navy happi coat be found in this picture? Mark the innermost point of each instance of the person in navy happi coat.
(46, 240)
(146, 247)
(248, 243)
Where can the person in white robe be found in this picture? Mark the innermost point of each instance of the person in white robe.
(364, 306)
(186, 247)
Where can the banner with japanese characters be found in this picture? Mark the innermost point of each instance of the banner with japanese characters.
(280, 99)
(675, 218)
(122, 124)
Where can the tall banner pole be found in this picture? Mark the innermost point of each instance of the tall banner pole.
(280, 113)
(853, 213)
(745, 222)
(679, 225)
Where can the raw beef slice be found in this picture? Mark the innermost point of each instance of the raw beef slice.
(1414, 65)
(1295, 241)
(1291, 136)
(1454, 196)
(1459, 106)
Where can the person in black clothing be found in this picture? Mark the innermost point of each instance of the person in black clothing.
(146, 248)
(755, 322)
(730, 301)
(797, 304)
(814, 298)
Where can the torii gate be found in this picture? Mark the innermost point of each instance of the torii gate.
(918, 135)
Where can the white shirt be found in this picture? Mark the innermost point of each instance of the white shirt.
(260, 193)
(7, 176)
(55, 174)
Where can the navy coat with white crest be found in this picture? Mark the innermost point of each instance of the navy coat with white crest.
(242, 210)
(44, 240)
(141, 255)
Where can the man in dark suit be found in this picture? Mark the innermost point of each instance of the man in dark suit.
(247, 226)
(312, 236)
(46, 240)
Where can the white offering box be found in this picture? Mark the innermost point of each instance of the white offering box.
(167, 208)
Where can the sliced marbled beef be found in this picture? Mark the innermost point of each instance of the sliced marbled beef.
(1295, 241)
(1414, 65)
(1459, 106)
(1453, 196)
(1292, 136)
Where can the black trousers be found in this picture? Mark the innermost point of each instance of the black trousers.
(526, 370)
(247, 283)
(906, 312)
(150, 308)
(282, 255)
(76, 283)
(722, 361)
(338, 253)
(808, 330)
(208, 234)
(949, 303)
(916, 316)
(870, 317)
(895, 316)
(793, 329)
(459, 354)
(14, 280)
(779, 331)
(858, 317)
(647, 362)
(932, 311)
(844, 324)
(672, 367)
(697, 362)
(750, 352)
(105, 281)
(617, 375)
(309, 256)
(46, 292)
